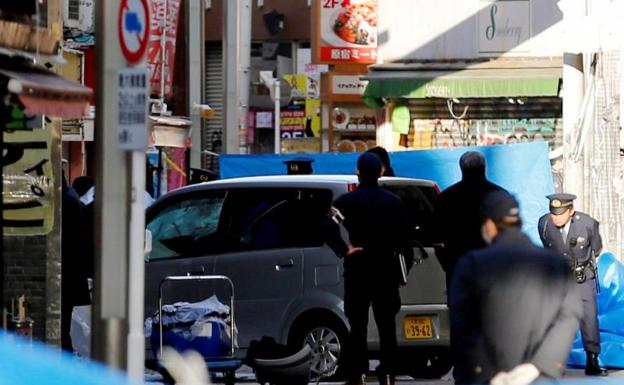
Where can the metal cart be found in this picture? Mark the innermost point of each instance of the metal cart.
(226, 364)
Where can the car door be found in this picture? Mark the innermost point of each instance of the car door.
(265, 263)
(185, 236)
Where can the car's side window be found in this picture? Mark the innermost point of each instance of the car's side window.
(271, 218)
(182, 228)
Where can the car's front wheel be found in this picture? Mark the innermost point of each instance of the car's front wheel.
(326, 339)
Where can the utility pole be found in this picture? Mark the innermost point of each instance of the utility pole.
(231, 66)
(111, 227)
(121, 141)
(195, 41)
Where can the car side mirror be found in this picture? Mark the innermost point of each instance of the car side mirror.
(148, 245)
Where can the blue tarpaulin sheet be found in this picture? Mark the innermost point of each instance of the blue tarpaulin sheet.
(610, 303)
(523, 169)
(25, 363)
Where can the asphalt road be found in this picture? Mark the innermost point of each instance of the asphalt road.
(245, 377)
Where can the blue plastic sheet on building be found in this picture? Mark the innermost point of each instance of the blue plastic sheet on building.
(610, 303)
(38, 364)
(523, 169)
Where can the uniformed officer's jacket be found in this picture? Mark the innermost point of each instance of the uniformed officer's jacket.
(511, 303)
(583, 237)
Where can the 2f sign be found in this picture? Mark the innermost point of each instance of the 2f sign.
(334, 3)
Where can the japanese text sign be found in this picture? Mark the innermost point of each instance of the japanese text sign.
(28, 206)
(160, 16)
(347, 31)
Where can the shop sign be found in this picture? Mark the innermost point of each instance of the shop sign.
(154, 52)
(293, 121)
(264, 119)
(348, 85)
(28, 192)
(503, 25)
(346, 31)
(132, 98)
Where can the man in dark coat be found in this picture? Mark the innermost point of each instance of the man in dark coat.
(74, 285)
(577, 236)
(377, 225)
(457, 226)
(514, 307)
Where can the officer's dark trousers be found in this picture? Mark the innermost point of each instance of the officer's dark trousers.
(360, 293)
(589, 323)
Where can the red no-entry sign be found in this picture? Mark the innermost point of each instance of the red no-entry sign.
(133, 25)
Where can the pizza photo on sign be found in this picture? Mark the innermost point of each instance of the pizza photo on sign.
(348, 31)
(356, 23)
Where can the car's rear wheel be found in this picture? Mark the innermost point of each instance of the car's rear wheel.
(326, 339)
(427, 364)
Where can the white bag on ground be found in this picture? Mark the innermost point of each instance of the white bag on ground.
(80, 330)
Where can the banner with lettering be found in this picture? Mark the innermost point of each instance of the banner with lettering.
(504, 25)
(28, 192)
(154, 51)
(346, 31)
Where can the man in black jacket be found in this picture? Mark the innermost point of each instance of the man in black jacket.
(514, 306)
(577, 236)
(457, 226)
(377, 225)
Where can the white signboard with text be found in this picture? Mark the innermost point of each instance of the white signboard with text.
(132, 100)
(348, 85)
(504, 25)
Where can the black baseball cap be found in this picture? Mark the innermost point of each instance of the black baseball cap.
(499, 204)
(560, 202)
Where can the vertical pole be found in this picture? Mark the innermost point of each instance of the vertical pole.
(244, 76)
(136, 268)
(277, 116)
(196, 74)
(163, 55)
(111, 231)
(572, 99)
(231, 65)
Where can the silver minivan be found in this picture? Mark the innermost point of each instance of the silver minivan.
(265, 234)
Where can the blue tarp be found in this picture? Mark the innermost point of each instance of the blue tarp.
(610, 303)
(39, 364)
(523, 169)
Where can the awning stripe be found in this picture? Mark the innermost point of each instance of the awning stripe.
(481, 83)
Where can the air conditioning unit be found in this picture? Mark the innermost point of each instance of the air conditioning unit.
(79, 14)
(71, 16)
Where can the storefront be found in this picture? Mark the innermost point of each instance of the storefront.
(433, 105)
(351, 124)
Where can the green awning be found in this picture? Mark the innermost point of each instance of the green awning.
(465, 83)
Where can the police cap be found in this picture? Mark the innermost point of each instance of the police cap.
(299, 166)
(560, 202)
(499, 204)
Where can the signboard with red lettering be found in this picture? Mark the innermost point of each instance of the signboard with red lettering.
(293, 121)
(162, 15)
(347, 31)
(132, 29)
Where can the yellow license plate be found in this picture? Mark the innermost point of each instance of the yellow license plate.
(417, 327)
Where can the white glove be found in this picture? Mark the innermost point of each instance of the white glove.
(186, 369)
(522, 374)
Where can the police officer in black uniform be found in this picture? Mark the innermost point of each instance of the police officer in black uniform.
(514, 306)
(577, 237)
(376, 222)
